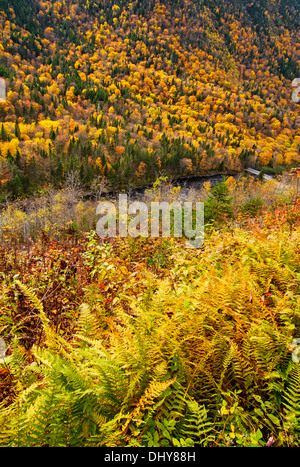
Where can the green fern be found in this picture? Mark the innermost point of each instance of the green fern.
(195, 425)
(291, 397)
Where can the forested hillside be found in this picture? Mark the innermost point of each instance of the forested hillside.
(133, 90)
(140, 341)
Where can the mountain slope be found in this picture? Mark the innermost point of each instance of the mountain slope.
(131, 91)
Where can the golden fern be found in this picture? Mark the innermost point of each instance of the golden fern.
(154, 391)
(38, 306)
(52, 339)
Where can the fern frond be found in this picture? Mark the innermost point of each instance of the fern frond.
(29, 293)
(269, 346)
(38, 306)
(87, 323)
(195, 424)
(291, 395)
(155, 389)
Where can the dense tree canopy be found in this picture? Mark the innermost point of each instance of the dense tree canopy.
(134, 90)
